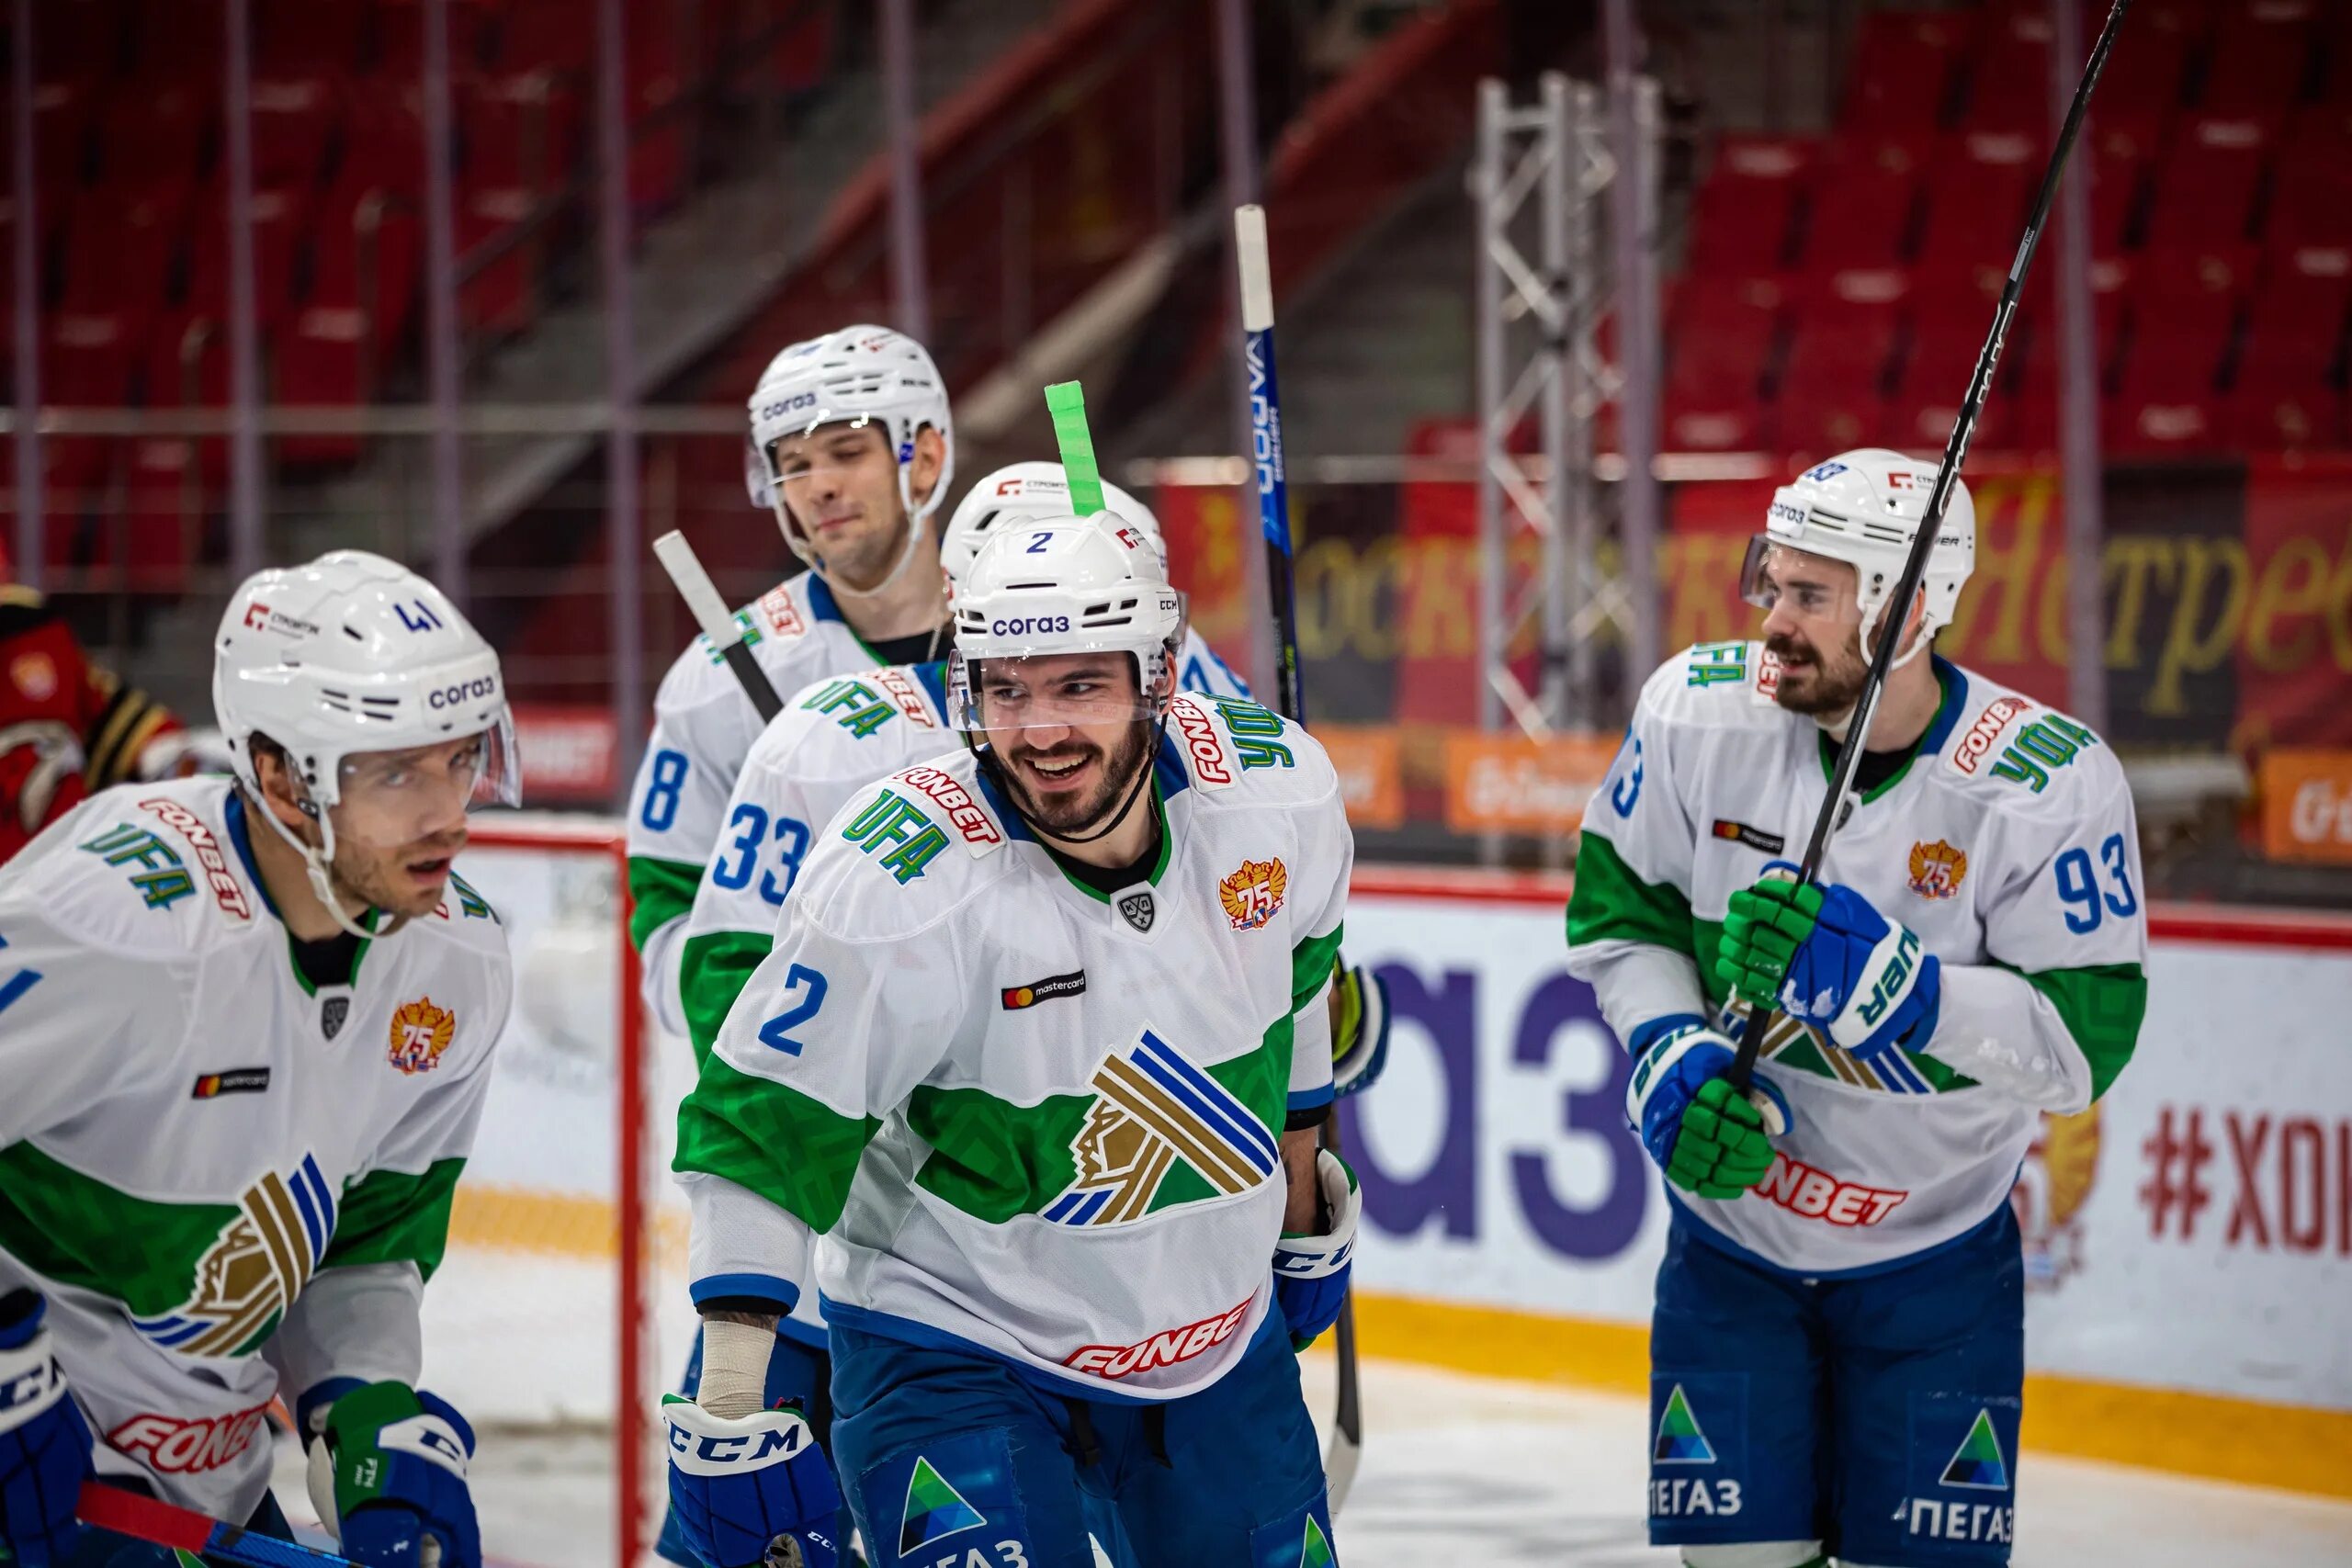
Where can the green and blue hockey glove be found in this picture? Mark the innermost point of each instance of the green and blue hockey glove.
(1708, 1138)
(387, 1475)
(1821, 953)
(1311, 1271)
(44, 1442)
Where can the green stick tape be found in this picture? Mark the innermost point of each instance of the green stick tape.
(1066, 401)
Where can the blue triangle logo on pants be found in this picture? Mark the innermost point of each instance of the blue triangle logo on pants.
(935, 1510)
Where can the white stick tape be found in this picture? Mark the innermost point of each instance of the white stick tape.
(1257, 272)
(678, 558)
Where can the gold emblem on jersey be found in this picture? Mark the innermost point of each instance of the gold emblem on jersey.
(260, 1262)
(1937, 869)
(1154, 1111)
(1252, 895)
(421, 1032)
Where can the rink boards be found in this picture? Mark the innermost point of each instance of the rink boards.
(2188, 1240)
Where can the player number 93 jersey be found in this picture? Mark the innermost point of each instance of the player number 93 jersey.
(2008, 842)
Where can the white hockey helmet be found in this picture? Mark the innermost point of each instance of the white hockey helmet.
(1023, 492)
(354, 654)
(1063, 585)
(854, 375)
(1864, 508)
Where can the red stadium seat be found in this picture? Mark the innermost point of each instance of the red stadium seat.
(64, 114)
(1832, 392)
(2161, 410)
(87, 361)
(2028, 381)
(2010, 80)
(549, 33)
(2207, 181)
(1903, 69)
(1739, 219)
(156, 131)
(178, 40)
(293, 121)
(521, 130)
(2145, 73)
(399, 36)
(1951, 310)
(2311, 195)
(2122, 148)
(500, 296)
(120, 247)
(85, 40)
(365, 256)
(307, 37)
(1976, 198)
(2271, 417)
(161, 525)
(281, 219)
(1860, 202)
(2295, 318)
(1720, 343)
(2261, 56)
(323, 359)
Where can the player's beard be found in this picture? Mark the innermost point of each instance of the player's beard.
(399, 882)
(1818, 687)
(1067, 817)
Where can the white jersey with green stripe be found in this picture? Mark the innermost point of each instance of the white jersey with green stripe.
(703, 729)
(227, 1182)
(1022, 1115)
(2007, 843)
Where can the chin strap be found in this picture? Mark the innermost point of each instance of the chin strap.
(1110, 823)
(318, 864)
(916, 517)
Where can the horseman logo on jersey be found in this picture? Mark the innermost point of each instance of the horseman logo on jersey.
(421, 1032)
(1937, 869)
(249, 1276)
(1253, 895)
(1155, 1114)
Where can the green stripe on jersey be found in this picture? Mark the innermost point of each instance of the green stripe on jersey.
(396, 1216)
(713, 969)
(2101, 1006)
(659, 892)
(794, 1151)
(78, 1231)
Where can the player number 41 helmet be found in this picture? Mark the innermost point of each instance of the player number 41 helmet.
(1050, 586)
(355, 654)
(1864, 508)
(856, 374)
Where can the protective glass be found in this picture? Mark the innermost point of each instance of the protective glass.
(1771, 560)
(1054, 691)
(386, 799)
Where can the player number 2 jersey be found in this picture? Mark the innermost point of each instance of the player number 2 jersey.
(1021, 1114)
(2008, 845)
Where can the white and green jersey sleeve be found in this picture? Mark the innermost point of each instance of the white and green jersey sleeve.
(1200, 671)
(704, 726)
(997, 1105)
(216, 1170)
(2008, 842)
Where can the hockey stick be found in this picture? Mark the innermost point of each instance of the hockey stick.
(732, 639)
(159, 1523)
(1346, 1449)
(1914, 566)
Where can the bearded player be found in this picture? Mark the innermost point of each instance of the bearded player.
(1837, 1344)
(1035, 1070)
(245, 1025)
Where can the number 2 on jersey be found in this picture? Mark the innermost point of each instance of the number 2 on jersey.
(2078, 887)
(774, 1034)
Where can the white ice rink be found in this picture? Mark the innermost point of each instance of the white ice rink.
(1460, 1471)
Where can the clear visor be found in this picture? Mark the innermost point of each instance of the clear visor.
(1058, 691)
(389, 799)
(1776, 569)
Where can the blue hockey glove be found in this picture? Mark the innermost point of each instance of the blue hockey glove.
(1311, 1271)
(1707, 1138)
(1359, 1029)
(387, 1475)
(44, 1441)
(1822, 955)
(752, 1490)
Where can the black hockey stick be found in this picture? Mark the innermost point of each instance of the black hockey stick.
(1914, 566)
(1273, 521)
(730, 637)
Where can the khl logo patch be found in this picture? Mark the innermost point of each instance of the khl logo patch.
(1139, 908)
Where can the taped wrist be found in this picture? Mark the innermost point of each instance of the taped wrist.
(734, 1367)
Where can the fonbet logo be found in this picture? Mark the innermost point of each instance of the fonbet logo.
(1985, 733)
(463, 691)
(174, 1447)
(1166, 1348)
(1024, 626)
(1817, 1195)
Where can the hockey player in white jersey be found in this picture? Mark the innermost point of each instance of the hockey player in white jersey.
(245, 1025)
(1837, 1344)
(1034, 1069)
(852, 447)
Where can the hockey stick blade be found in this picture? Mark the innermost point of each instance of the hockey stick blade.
(159, 1523)
(1914, 566)
(730, 637)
